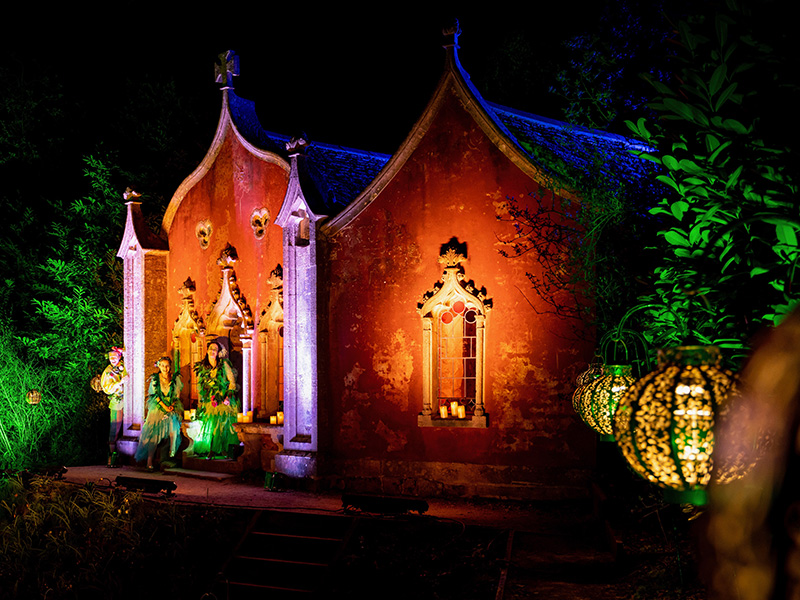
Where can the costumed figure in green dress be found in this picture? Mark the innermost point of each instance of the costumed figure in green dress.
(164, 410)
(217, 407)
(112, 381)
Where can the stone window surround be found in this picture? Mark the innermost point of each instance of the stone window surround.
(452, 286)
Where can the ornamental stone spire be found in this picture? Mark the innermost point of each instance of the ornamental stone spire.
(226, 69)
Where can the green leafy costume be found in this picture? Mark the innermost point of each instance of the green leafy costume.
(217, 408)
(160, 422)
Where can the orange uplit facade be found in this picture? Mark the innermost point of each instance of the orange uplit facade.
(453, 185)
(366, 299)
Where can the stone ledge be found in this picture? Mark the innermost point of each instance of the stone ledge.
(472, 422)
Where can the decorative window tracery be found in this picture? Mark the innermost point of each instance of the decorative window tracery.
(453, 324)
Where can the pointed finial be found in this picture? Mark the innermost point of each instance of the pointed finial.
(131, 195)
(187, 289)
(451, 34)
(453, 253)
(228, 256)
(297, 145)
(226, 69)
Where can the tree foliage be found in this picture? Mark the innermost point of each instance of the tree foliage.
(729, 215)
(600, 80)
(67, 155)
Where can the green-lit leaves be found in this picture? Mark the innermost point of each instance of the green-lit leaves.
(729, 214)
(678, 209)
(676, 238)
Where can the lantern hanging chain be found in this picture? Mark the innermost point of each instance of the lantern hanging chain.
(616, 335)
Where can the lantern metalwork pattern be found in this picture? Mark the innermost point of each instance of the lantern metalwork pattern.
(664, 424)
(33, 396)
(594, 371)
(598, 400)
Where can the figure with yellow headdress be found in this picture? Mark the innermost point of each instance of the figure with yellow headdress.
(112, 381)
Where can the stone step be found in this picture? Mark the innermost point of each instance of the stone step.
(215, 465)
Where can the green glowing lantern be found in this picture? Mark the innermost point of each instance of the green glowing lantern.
(598, 400)
(594, 371)
(33, 396)
(664, 424)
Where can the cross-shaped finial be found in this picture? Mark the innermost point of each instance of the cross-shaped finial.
(226, 69)
(451, 34)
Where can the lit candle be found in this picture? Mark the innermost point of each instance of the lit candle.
(248, 418)
(443, 412)
(454, 408)
(462, 412)
(240, 417)
(273, 420)
(280, 417)
(187, 415)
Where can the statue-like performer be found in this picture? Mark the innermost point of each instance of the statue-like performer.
(164, 411)
(113, 383)
(216, 384)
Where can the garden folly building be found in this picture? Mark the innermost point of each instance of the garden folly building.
(365, 297)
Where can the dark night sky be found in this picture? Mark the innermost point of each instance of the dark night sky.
(353, 77)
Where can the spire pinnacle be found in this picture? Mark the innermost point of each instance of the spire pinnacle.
(451, 34)
(226, 69)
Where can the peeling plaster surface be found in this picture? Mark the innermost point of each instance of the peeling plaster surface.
(454, 185)
(394, 365)
(395, 440)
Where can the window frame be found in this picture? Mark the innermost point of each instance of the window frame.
(452, 288)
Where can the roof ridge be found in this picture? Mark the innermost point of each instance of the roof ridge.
(578, 129)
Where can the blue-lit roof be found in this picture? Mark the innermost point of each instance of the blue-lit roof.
(578, 147)
(339, 174)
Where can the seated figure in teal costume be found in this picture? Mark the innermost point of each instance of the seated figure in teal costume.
(217, 407)
(164, 412)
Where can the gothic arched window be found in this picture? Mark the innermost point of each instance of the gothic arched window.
(453, 333)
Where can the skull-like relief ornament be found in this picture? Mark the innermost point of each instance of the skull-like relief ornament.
(259, 219)
(203, 232)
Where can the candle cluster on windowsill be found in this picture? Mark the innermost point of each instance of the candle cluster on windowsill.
(457, 411)
(244, 417)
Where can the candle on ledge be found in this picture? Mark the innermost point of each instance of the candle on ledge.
(280, 417)
(187, 415)
(248, 417)
(443, 412)
(454, 408)
(240, 417)
(273, 420)
(462, 412)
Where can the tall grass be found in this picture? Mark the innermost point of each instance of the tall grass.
(62, 541)
(59, 429)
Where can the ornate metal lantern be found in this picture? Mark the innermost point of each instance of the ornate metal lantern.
(598, 400)
(33, 396)
(594, 371)
(664, 424)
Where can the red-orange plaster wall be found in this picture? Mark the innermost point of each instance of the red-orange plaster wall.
(236, 183)
(453, 185)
